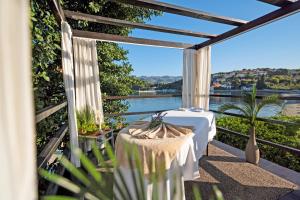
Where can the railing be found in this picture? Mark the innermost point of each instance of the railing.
(179, 95)
(279, 146)
(266, 142)
(57, 139)
(53, 143)
(51, 146)
(46, 112)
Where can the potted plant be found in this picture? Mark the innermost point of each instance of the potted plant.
(105, 126)
(86, 122)
(250, 108)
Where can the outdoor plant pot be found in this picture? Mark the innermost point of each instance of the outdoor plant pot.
(96, 133)
(88, 139)
(252, 151)
(251, 108)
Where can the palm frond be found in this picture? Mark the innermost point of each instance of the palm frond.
(247, 98)
(249, 109)
(268, 100)
(92, 190)
(250, 98)
(230, 106)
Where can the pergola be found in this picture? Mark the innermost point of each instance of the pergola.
(286, 8)
(17, 88)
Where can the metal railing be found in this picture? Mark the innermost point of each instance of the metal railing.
(57, 139)
(276, 145)
(179, 95)
(53, 143)
(261, 141)
(211, 95)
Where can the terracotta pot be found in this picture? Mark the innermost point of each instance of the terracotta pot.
(252, 151)
(96, 133)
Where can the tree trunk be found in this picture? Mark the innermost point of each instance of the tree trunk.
(252, 151)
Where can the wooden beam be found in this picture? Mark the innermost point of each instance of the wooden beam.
(261, 21)
(51, 146)
(129, 40)
(165, 7)
(118, 22)
(57, 11)
(279, 3)
(46, 112)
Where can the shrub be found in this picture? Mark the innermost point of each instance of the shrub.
(280, 134)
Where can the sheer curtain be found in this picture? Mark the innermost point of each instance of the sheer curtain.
(196, 78)
(87, 80)
(17, 131)
(68, 75)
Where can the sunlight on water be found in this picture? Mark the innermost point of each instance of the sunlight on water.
(168, 103)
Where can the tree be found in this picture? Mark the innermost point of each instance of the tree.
(115, 70)
(250, 109)
(236, 83)
(261, 82)
(275, 80)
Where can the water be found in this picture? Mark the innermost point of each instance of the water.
(166, 103)
(140, 105)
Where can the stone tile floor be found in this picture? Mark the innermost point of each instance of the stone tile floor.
(238, 179)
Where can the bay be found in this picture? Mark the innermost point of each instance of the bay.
(168, 103)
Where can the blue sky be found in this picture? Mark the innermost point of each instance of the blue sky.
(274, 45)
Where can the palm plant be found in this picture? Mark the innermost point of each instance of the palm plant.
(250, 108)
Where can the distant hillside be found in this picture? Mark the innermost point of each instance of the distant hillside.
(177, 85)
(264, 78)
(160, 79)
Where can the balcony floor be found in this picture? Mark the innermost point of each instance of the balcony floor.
(238, 179)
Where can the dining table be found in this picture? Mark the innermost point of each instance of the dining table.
(184, 166)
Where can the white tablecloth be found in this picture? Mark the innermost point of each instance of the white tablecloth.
(186, 163)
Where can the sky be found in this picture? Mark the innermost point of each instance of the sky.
(276, 45)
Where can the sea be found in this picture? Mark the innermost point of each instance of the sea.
(169, 103)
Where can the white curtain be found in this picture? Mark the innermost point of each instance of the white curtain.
(88, 92)
(17, 131)
(68, 76)
(196, 78)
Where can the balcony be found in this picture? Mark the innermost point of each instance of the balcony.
(224, 166)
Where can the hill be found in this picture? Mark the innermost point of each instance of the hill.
(160, 79)
(264, 78)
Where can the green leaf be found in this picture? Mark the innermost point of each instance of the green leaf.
(89, 166)
(196, 192)
(58, 197)
(74, 171)
(218, 193)
(61, 181)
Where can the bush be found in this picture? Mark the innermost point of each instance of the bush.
(280, 134)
